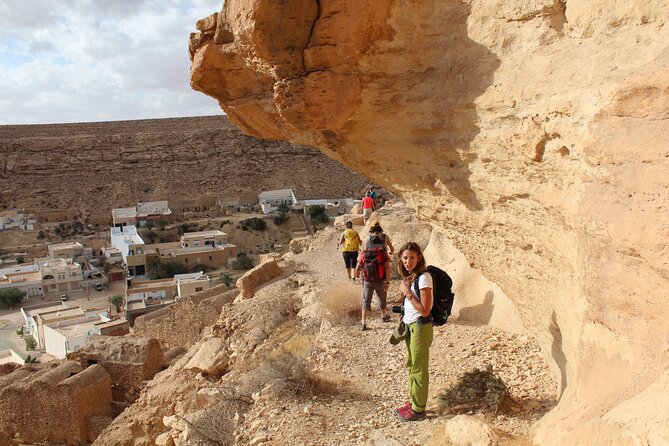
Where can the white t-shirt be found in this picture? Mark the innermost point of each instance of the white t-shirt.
(410, 313)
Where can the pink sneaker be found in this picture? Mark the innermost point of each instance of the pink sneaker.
(403, 408)
(410, 415)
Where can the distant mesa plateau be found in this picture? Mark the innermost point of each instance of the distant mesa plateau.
(94, 167)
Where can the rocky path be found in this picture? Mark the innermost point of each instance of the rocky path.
(371, 379)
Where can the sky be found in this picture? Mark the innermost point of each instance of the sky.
(98, 60)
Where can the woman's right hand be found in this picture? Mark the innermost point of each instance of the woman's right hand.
(404, 288)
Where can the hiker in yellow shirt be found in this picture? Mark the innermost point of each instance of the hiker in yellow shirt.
(350, 242)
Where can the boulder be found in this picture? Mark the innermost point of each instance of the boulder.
(210, 359)
(356, 219)
(257, 276)
(465, 430)
(298, 245)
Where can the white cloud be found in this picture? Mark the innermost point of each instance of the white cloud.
(92, 60)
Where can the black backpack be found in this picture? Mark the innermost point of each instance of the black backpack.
(442, 296)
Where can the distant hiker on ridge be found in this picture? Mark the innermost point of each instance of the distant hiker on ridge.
(367, 206)
(350, 242)
(375, 199)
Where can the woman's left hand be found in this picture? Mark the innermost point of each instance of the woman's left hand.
(404, 288)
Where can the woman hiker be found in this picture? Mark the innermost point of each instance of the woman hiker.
(417, 306)
(350, 242)
(367, 207)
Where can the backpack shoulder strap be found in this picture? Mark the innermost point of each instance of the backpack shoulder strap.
(415, 284)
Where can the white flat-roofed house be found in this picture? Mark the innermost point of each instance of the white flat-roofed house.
(38, 317)
(145, 212)
(21, 268)
(24, 277)
(191, 283)
(67, 336)
(28, 282)
(67, 250)
(31, 322)
(153, 212)
(59, 275)
(271, 199)
(125, 239)
(124, 217)
(16, 219)
(132, 249)
(204, 238)
(112, 255)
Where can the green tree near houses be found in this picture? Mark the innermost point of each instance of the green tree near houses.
(116, 301)
(11, 297)
(317, 214)
(225, 279)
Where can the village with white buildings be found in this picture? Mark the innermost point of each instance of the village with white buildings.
(60, 307)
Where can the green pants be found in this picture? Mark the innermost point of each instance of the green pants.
(418, 343)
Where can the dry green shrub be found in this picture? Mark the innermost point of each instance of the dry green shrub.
(215, 425)
(287, 366)
(341, 303)
(479, 390)
(295, 376)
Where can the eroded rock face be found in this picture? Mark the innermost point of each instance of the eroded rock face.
(531, 132)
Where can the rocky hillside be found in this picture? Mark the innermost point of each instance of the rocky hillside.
(111, 164)
(531, 132)
(289, 365)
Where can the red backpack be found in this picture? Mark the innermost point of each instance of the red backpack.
(374, 258)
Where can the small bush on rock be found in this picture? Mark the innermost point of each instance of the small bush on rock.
(295, 376)
(476, 390)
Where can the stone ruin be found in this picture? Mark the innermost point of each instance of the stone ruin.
(59, 403)
(70, 402)
(130, 362)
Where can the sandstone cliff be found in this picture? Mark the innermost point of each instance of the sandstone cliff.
(530, 131)
(97, 166)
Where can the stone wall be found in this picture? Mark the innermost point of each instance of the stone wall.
(257, 276)
(182, 324)
(53, 403)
